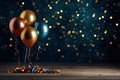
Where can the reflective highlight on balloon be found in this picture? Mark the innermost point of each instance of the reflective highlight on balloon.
(17, 25)
(29, 15)
(29, 36)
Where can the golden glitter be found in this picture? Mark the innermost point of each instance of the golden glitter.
(78, 0)
(114, 4)
(1, 17)
(63, 27)
(61, 11)
(105, 11)
(110, 42)
(69, 32)
(99, 18)
(95, 35)
(46, 21)
(114, 37)
(60, 17)
(59, 50)
(49, 38)
(111, 17)
(96, 1)
(73, 32)
(77, 54)
(99, 28)
(81, 21)
(58, 23)
(50, 7)
(69, 1)
(117, 24)
(78, 15)
(107, 5)
(23, 3)
(58, 12)
(68, 45)
(37, 10)
(74, 46)
(93, 45)
(50, 27)
(103, 17)
(87, 4)
(83, 35)
(93, 15)
(11, 38)
(10, 45)
(102, 38)
(105, 32)
(76, 11)
(47, 44)
(97, 39)
(74, 37)
(63, 56)
(53, 16)
(66, 3)
(56, 2)
(72, 19)
(84, 44)
(76, 49)
(33, 3)
(80, 31)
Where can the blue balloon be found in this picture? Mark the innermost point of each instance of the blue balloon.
(42, 29)
(33, 70)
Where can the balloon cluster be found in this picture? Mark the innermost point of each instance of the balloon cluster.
(22, 27)
(34, 69)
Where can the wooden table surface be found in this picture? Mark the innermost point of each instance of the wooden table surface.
(68, 72)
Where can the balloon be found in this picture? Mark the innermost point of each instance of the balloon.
(37, 24)
(17, 25)
(29, 36)
(42, 29)
(29, 16)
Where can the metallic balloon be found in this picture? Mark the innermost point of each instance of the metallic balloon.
(29, 36)
(29, 16)
(42, 29)
(17, 25)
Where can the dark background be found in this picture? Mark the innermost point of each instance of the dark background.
(83, 31)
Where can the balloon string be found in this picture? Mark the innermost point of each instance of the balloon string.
(28, 57)
(25, 56)
(18, 54)
(18, 59)
(29, 53)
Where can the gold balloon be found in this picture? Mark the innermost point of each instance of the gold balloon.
(29, 16)
(29, 36)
